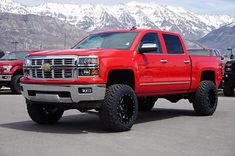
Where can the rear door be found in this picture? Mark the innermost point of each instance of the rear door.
(178, 63)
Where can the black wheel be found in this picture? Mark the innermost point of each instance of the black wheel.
(146, 103)
(15, 84)
(43, 114)
(120, 108)
(206, 98)
(228, 90)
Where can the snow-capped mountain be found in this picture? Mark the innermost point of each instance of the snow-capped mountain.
(89, 17)
(221, 38)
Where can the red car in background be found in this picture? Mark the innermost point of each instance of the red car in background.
(11, 69)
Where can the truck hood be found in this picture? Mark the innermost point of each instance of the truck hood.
(11, 63)
(82, 52)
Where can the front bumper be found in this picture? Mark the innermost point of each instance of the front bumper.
(63, 93)
(5, 77)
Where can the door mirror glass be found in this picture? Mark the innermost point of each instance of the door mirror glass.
(148, 48)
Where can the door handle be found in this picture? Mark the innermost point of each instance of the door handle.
(163, 61)
(186, 61)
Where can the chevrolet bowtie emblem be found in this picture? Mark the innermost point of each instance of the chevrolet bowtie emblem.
(46, 67)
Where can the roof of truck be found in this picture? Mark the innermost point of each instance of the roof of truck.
(135, 30)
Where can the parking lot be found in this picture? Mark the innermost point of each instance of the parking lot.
(170, 129)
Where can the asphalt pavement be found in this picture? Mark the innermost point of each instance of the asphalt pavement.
(168, 130)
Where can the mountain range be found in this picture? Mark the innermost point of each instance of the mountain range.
(94, 17)
(221, 38)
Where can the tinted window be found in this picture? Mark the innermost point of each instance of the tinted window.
(152, 38)
(173, 44)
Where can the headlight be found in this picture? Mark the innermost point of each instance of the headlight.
(88, 72)
(88, 61)
(88, 66)
(27, 62)
(7, 68)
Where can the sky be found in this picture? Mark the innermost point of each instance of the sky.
(201, 6)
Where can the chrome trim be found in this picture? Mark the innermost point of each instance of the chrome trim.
(8, 79)
(163, 83)
(163, 61)
(74, 67)
(98, 93)
(186, 61)
(53, 66)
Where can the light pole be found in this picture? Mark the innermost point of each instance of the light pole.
(15, 44)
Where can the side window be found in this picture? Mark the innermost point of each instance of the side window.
(152, 38)
(173, 44)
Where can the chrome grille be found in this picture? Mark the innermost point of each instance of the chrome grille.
(60, 67)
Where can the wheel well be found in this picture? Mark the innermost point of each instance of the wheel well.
(121, 77)
(20, 72)
(208, 75)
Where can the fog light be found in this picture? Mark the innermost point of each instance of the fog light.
(85, 90)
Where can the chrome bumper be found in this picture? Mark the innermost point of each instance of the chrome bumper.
(54, 93)
(5, 77)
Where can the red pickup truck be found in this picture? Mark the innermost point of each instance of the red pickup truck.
(11, 69)
(119, 73)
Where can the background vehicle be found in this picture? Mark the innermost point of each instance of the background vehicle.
(11, 69)
(229, 78)
(118, 73)
(1, 54)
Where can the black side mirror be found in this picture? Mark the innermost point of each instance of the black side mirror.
(231, 56)
(222, 57)
(148, 48)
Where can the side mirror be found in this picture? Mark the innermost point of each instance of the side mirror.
(231, 56)
(148, 48)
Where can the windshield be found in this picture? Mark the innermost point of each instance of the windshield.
(14, 56)
(200, 52)
(113, 40)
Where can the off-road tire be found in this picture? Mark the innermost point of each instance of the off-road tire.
(205, 99)
(228, 90)
(120, 108)
(15, 84)
(146, 103)
(43, 114)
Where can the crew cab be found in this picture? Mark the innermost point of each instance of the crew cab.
(11, 69)
(119, 73)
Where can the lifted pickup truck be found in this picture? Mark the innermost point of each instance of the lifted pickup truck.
(11, 69)
(119, 73)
